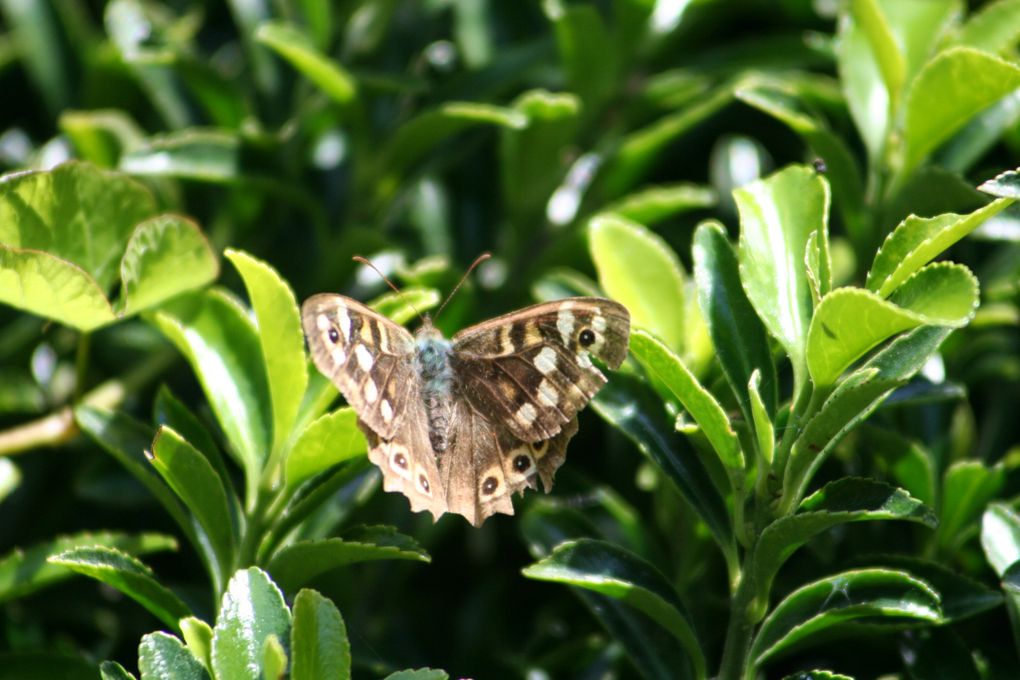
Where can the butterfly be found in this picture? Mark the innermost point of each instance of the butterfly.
(460, 425)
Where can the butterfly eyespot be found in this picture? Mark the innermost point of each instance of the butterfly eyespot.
(490, 485)
(587, 337)
(522, 463)
(400, 460)
(539, 447)
(334, 335)
(423, 482)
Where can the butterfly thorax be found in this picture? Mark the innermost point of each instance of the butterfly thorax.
(436, 380)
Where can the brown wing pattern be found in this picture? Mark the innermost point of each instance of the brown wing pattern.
(370, 358)
(531, 370)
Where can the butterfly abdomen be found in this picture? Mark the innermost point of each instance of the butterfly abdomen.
(436, 388)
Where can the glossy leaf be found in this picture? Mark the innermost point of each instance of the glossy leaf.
(252, 610)
(166, 256)
(281, 338)
(853, 400)
(609, 570)
(845, 500)
(331, 439)
(26, 570)
(221, 343)
(952, 88)
(111, 670)
(419, 674)
(300, 562)
(296, 47)
(198, 635)
(917, 241)
(961, 596)
(164, 657)
(204, 155)
(777, 215)
(1004, 185)
(654, 291)
(738, 336)
(318, 645)
(196, 483)
(128, 575)
(699, 402)
(634, 409)
(818, 606)
(967, 487)
(1000, 537)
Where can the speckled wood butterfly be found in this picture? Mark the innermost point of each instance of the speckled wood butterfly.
(459, 425)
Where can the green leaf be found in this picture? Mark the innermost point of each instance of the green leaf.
(128, 575)
(853, 400)
(196, 483)
(851, 321)
(407, 304)
(75, 212)
(950, 90)
(111, 670)
(252, 610)
(274, 659)
(302, 561)
(609, 570)
(319, 643)
(654, 291)
(635, 410)
(917, 241)
(865, 593)
(936, 653)
(43, 284)
(651, 205)
(166, 255)
(699, 402)
(845, 500)
(738, 336)
(763, 429)
(961, 596)
(296, 48)
(777, 215)
(204, 155)
(587, 53)
(994, 28)
(100, 136)
(1004, 185)
(890, 62)
(419, 674)
(331, 439)
(26, 570)
(10, 478)
(222, 345)
(817, 675)
(283, 343)
(169, 410)
(198, 637)
(967, 487)
(1000, 537)
(164, 657)
(1011, 589)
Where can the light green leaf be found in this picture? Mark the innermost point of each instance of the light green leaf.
(950, 90)
(319, 642)
(865, 593)
(128, 575)
(26, 570)
(165, 256)
(1000, 537)
(651, 205)
(296, 48)
(419, 674)
(331, 439)
(252, 609)
(197, 484)
(198, 637)
(407, 304)
(777, 216)
(274, 659)
(917, 241)
(302, 561)
(699, 402)
(204, 155)
(763, 429)
(609, 570)
(994, 28)
(885, 51)
(654, 291)
(164, 657)
(101, 136)
(222, 345)
(283, 345)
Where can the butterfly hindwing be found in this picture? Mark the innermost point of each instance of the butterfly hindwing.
(367, 356)
(531, 369)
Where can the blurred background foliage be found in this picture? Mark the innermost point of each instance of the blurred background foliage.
(420, 134)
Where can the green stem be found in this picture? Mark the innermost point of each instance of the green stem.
(81, 365)
(734, 664)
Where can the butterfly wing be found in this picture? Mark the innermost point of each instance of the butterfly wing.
(531, 370)
(367, 356)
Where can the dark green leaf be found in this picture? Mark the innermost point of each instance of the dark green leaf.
(46, 666)
(418, 674)
(111, 670)
(967, 487)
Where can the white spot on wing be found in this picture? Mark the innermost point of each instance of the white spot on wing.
(598, 322)
(547, 395)
(322, 321)
(386, 410)
(565, 323)
(339, 356)
(344, 321)
(364, 357)
(545, 361)
(526, 415)
(371, 391)
(583, 360)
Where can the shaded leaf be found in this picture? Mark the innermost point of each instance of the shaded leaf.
(319, 643)
(331, 439)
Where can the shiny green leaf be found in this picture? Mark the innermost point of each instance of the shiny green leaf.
(1000, 537)
(252, 610)
(164, 657)
(205, 155)
(295, 47)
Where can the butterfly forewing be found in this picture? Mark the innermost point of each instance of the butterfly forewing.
(367, 356)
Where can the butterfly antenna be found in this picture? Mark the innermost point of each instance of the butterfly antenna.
(478, 260)
(360, 259)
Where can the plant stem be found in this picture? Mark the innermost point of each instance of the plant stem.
(57, 428)
(740, 629)
(81, 364)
